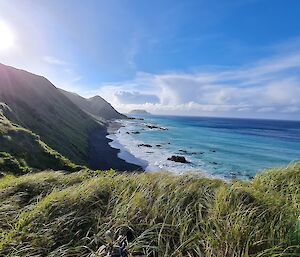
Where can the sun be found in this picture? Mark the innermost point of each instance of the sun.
(7, 37)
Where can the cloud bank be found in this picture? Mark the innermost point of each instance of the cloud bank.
(269, 88)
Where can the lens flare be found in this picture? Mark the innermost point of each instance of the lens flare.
(7, 37)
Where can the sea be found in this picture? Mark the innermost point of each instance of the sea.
(226, 148)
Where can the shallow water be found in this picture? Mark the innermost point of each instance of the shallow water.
(219, 147)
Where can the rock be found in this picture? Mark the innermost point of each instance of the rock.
(183, 151)
(213, 151)
(178, 158)
(144, 145)
(168, 143)
(155, 127)
(190, 153)
(135, 132)
(132, 118)
(214, 163)
(158, 145)
(127, 132)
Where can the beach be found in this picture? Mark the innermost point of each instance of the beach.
(102, 156)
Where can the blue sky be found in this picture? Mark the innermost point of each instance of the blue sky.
(214, 58)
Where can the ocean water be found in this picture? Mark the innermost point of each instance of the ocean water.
(217, 147)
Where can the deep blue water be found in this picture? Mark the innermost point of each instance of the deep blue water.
(222, 147)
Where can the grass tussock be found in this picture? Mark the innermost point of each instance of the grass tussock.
(57, 214)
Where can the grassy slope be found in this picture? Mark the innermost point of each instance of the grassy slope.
(21, 149)
(39, 106)
(52, 214)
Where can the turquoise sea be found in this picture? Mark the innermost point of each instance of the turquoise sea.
(219, 147)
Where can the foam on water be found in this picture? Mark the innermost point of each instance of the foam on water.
(152, 159)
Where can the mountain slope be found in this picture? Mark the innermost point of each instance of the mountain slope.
(37, 105)
(21, 150)
(95, 106)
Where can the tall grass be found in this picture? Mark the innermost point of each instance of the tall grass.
(57, 214)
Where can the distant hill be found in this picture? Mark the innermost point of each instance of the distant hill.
(139, 112)
(95, 106)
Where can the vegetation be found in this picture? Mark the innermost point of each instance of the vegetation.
(32, 102)
(79, 214)
(21, 149)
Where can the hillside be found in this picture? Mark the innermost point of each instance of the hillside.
(86, 213)
(21, 150)
(38, 106)
(95, 106)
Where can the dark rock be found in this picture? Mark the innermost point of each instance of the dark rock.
(213, 151)
(132, 118)
(169, 143)
(155, 127)
(158, 145)
(149, 152)
(178, 158)
(135, 132)
(214, 163)
(183, 151)
(127, 132)
(144, 145)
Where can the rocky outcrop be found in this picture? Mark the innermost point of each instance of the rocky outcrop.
(178, 158)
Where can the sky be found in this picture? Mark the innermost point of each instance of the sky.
(227, 58)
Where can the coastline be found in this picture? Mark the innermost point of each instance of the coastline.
(103, 156)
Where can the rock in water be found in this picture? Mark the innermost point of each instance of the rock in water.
(178, 158)
(145, 145)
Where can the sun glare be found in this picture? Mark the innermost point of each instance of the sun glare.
(7, 37)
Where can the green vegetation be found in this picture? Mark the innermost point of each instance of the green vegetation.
(32, 102)
(21, 149)
(56, 214)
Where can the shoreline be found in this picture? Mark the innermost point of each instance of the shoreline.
(103, 156)
(123, 154)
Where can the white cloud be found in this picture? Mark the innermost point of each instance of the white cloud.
(54, 60)
(136, 97)
(270, 87)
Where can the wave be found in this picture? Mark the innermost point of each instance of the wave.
(153, 158)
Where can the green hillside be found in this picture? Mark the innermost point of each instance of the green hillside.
(39, 106)
(88, 213)
(21, 150)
